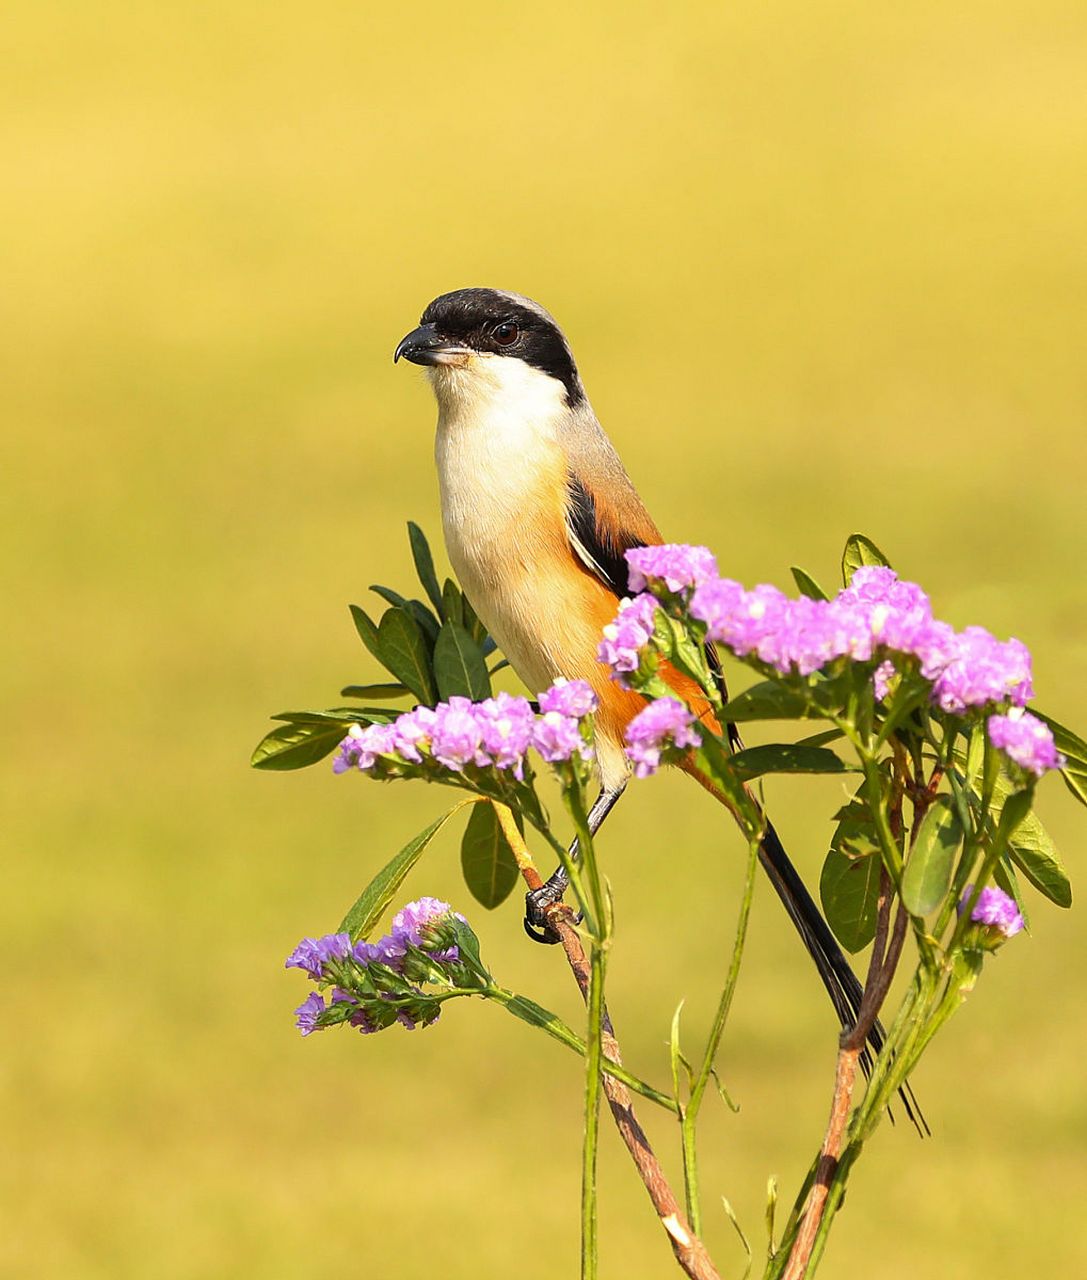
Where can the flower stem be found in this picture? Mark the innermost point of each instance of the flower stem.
(593, 1058)
(689, 1117)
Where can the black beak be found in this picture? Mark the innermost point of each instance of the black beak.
(424, 346)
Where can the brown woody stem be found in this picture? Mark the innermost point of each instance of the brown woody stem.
(689, 1251)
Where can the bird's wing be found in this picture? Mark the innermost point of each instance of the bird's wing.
(601, 531)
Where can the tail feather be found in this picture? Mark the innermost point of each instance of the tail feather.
(842, 984)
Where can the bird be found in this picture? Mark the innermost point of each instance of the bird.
(537, 514)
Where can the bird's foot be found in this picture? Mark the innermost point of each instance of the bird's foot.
(538, 906)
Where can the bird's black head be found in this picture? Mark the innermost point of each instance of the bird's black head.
(494, 323)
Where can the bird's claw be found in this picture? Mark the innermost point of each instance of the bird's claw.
(538, 903)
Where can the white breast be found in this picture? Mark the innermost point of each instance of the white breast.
(501, 473)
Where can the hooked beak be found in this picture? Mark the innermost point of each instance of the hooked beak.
(424, 346)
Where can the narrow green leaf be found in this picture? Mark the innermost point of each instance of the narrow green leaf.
(1035, 854)
(490, 869)
(424, 567)
(807, 584)
(473, 624)
(787, 757)
(768, 700)
(378, 691)
(730, 1213)
(537, 1016)
(860, 550)
(675, 1053)
(499, 665)
(368, 632)
(927, 876)
(452, 602)
(345, 716)
(821, 739)
(294, 746)
(406, 655)
(370, 905)
(459, 666)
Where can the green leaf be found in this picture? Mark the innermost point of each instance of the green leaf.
(821, 739)
(406, 655)
(849, 884)
(378, 691)
(927, 876)
(787, 757)
(452, 602)
(1035, 854)
(416, 608)
(368, 632)
(807, 584)
(769, 700)
(296, 745)
(370, 905)
(849, 890)
(490, 869)
(424, 567)
(1074, 749)
(473, 624)
(345, 716)
(459, 666)
(860, 550)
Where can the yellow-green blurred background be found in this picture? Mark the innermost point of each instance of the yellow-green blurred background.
(823, 267)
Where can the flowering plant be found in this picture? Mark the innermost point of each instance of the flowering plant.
(934, 846)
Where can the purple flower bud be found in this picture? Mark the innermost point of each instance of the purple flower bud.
(412, 730)
(456, 736)
(1026, 740)
(363, 745)
(364, 1022)
(983, 670)
(307, 1013)
(664, 723)
(505, 724)
(557, 737)
(312, 954)
(881, 679)
(748, 622)
(678, 566)
(412, 922)
(569, 698)
(995, 909)
(629, 633)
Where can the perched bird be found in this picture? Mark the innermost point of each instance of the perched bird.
(537, 511)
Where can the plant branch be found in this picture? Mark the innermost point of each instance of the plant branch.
(881, 969)
(688, 1249)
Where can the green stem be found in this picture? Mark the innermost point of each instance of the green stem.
(689, 1116)
(594, 1059)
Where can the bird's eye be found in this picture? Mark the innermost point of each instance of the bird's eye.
(506, 333)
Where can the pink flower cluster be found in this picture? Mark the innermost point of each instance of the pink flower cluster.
(877, 613)
(663, 724)
(497, 732)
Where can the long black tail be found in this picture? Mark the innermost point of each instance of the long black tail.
(841, 982)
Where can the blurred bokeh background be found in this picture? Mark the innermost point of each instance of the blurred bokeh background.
(824, 268)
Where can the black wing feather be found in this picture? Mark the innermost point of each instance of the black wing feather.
(600, 552)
